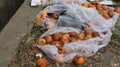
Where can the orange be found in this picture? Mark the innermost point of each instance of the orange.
(39, 20)
(44, 13)
(42, 62)
(78, 60)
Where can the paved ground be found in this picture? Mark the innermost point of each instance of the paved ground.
(16, 27)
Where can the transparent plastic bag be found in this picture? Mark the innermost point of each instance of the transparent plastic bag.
(85, 48)
(70, 18)
(56, 8)
(46, 2)
(48, 23)
(82, 15)
(78, 16)
(75, 17)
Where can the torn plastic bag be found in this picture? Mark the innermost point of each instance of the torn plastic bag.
(85, 48)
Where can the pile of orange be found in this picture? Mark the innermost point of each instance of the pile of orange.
(104, 10)
(59, 39)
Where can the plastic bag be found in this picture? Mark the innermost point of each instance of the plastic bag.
(45, 2)
(70, 18)
(85, 48)
(48, 23)
(78, 16)
(75, 17)
(37, 2)
(56, 8)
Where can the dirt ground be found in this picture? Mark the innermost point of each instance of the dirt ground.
(108, 56)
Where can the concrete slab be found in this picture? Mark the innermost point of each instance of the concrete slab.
(13, 30)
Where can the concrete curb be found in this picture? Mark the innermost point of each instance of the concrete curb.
(16, 27)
